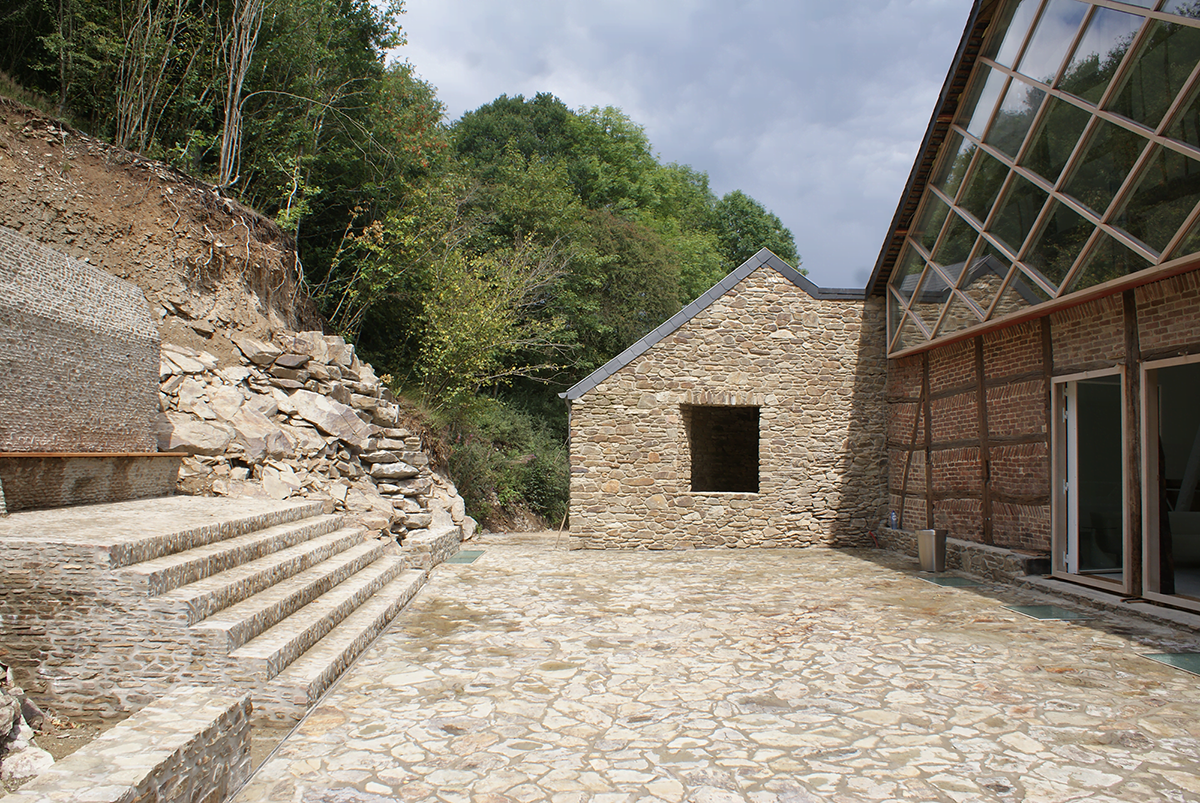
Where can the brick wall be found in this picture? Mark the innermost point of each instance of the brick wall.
(1013, 508)
(79, 354)
(816, 371)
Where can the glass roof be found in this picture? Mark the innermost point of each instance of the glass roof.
(1074, 159)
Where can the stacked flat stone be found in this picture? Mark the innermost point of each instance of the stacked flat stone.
(300, 416)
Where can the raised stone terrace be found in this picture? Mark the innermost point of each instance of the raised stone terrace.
(109, 606)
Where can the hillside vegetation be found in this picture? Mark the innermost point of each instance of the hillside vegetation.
(485, 264)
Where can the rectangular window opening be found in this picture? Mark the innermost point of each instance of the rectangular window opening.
(723, 446)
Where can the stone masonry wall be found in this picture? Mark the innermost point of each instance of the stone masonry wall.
(814, 368)
(78, 352)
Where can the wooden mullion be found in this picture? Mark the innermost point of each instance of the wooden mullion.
(928, 440)
(1133, 444)
(985, 455)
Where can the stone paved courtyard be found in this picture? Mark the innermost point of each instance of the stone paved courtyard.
(536, 673)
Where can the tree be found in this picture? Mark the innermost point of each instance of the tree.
(744, 227)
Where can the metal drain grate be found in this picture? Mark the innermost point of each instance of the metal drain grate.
(1047, 612)
(465, 556)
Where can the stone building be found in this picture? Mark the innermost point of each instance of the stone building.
(1041, 279)
(753, 417)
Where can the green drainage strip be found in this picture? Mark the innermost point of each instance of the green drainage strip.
(1047, 612)
(464, 556)
(951, 581)
(1187, 661)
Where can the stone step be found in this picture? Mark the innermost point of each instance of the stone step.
(264, 656)
(237, 624)
(208, 527)
(287, 696)
(204, 598)
(169, 572)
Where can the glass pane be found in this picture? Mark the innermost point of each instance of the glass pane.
(981, 99)
(1014, 117)
(959, 315)
(1058, 244)
(1108, 260)
(1167, 193)
(983, 186)
(928, 301)
(1108, 37)
(950, 173)
(1055, 32)
(1190, 244)
(1020, 293)
(1020, 208)
(1184, 8)
(1109, 157)
(1097, 486)
(910, 335)
(895, 315)
(1163, 65)
(955, 247)
(1060, 129)
(1186, 127)
(1012, 28)
(929, 224)
(907, 273)
(987, 273)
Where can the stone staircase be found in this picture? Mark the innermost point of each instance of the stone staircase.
(274, 598)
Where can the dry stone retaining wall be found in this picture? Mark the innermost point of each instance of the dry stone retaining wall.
(300, 417)
(815, 368)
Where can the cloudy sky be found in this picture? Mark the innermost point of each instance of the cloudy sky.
(814, 107)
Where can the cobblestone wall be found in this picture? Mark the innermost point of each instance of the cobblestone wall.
(816, 371)
(78, 352)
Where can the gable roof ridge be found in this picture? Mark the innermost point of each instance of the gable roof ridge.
(706, 299)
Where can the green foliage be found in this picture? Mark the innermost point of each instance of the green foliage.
(744, 226)
(502, 458)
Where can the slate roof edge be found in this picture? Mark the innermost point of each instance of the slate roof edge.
(731, 280)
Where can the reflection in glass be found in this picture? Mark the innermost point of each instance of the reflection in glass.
(905, 276)
(1163, 65)
(983, 185)
(1055, 32)
(1014, 24)
(1166, 194)
(910, 335)
(1059, 242)
(1190, 243)
(1022, 291)
(950, 172)
(1096, 491)
(1186, 127)
(955, 247)
(959, 315)
(985, 276)
(1021, 205)
(930, 297)
(1110, 156)
(1106, 41)
(1014, 117)
(929, 224)
(1108, 260)
(895, 315)
(981, 99)
(1184, 8)
(1061, 127)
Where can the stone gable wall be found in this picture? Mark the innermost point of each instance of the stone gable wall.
(815, 368)
(79, 355)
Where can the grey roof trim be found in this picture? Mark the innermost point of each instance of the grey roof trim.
(734, 278)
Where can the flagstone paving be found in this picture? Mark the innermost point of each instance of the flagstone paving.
(770, 676)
